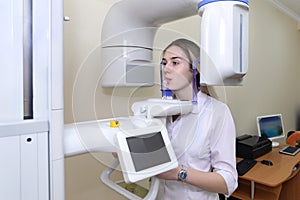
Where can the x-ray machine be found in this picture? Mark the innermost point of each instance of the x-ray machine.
(33, 137)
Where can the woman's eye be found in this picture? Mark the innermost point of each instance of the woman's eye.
(172, 63)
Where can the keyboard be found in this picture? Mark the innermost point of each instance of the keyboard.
(245, 165)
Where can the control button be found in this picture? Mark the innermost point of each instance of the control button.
(114, 123)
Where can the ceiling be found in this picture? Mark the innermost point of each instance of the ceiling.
(290, 7)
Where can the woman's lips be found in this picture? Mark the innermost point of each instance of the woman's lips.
(168, 80)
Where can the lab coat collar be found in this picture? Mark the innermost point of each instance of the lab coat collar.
(202, 98)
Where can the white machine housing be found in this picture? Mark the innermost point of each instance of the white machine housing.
(224, 42)
(31, 150)
(160, 108)
(127, 38)
(127, 44)
(100, 136)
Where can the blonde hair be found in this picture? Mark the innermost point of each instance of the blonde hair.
(192, 51)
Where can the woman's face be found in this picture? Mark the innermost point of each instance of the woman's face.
(176, 69)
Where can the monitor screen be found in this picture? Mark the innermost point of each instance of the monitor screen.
(147, 150)
(270, 126)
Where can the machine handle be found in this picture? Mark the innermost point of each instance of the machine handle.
(105, 178)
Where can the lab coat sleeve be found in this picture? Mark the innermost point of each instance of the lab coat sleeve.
(222, 139)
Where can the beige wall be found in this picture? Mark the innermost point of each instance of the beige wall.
(271, 85)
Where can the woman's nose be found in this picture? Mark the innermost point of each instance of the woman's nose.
(167, 68)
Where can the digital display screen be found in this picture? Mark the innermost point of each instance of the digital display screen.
(271, 126)
(147, 151)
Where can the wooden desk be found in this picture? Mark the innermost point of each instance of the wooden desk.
(271, 182)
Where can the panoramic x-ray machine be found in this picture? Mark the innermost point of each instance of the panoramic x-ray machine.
(141, 141)
(33, 137)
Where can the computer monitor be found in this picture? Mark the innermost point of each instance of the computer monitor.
(271, 127)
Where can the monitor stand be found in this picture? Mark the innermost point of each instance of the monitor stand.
(275, 144)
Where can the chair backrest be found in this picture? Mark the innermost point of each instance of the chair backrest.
(293, 139)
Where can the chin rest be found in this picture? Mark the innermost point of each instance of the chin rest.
(293, 138)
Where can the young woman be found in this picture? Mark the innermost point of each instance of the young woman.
(203, 140)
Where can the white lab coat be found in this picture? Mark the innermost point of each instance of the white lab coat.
(203, 139)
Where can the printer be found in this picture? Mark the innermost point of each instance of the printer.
(249, 146)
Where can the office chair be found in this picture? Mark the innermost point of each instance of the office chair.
(293, 138)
